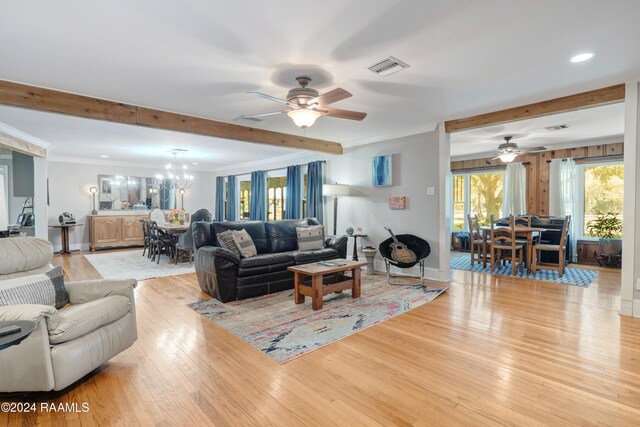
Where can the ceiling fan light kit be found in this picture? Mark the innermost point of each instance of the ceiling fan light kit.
(508, 151)
(508, 157)
(306, 104)
(304, 117)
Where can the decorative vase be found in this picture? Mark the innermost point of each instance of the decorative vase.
(349, 231)
(176, 220)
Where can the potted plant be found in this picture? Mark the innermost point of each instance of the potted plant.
(608, 228)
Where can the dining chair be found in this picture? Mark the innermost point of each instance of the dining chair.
(161, 242)
(478, 246)
(503, 242)
(560, 248)
(147, 236)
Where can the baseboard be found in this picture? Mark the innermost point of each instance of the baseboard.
(629, 307)
(73, 247)
(430, 273)
(635, 309)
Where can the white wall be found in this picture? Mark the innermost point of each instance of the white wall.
(415, 167)
(69, 192)
(630, 299)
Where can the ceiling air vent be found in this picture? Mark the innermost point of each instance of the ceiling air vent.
(557, 127)
(388, 66)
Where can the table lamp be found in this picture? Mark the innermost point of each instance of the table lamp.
(94, 191)
(335, 190)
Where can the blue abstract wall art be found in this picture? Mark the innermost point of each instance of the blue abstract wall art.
(381, 173)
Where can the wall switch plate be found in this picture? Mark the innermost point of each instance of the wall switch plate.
(431, 191)
(637, 284)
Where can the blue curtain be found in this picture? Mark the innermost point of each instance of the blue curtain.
(315, 202)
(258, 202)
(219, 211)
(293, 206)
(232, 199)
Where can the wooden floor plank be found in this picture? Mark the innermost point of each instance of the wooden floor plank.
(491, 351)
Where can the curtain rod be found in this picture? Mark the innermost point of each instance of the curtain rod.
(608, 156)
(485, 167)
(276, 169)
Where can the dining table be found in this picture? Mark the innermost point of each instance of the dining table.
(171, 228)
(522, 231)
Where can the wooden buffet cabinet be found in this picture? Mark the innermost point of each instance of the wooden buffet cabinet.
(109, 231)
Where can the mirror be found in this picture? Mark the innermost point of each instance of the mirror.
(117, 192)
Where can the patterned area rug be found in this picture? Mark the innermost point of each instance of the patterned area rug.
(282, 330)
(132, 265)
(571, 276)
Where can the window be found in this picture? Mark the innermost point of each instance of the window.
(276, 195)
(245, 197)
(477, 194)
(602, 192)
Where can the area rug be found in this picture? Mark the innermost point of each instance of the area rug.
(282, 330)
(571, 276)
(132, 265)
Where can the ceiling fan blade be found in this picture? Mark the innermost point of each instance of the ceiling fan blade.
(342, 114)
(249, 116)
(330, 97)
(269, 97)
(533, 149)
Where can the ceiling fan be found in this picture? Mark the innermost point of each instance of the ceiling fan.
(306, 104)
(508, 151)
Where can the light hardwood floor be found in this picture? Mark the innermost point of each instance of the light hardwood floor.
(491, 351)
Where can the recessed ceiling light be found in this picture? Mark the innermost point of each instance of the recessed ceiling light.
(104, 156)
(194, 163)
(583, 57)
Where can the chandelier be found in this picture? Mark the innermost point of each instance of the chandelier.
(177, 175)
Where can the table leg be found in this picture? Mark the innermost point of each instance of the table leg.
(64, 235)
(355, 248)
(316, 292)
(297, 282)
(355, 276)
(529, 251)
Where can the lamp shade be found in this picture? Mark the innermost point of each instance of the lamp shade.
(4, 222)
(336, 190)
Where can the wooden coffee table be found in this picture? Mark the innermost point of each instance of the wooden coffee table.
(318, 289)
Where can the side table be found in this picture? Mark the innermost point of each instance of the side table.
(26, 327)
(370, 255)
(355, 245)
(64, 236)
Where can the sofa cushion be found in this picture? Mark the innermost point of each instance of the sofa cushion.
(44, 289)
(244, 243)
(80, 319)
(305, 257)
(24, 254)
(225, 240)
(265, 263)
(310, 238)
(254, 228)
(282, 234)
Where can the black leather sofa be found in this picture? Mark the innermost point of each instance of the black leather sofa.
(227, 277)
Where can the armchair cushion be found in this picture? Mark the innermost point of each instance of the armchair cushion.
(45, 289)
(84, 291)
(23, 254)
(33, 312)
(80, 319)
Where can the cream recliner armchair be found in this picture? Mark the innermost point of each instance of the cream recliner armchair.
(98, 323)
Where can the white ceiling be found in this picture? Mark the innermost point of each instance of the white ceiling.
(199, 57)
(586, 127)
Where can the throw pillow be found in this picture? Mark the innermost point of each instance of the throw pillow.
(44, 289)
(244, 242)
(225, 240)
(310, 238)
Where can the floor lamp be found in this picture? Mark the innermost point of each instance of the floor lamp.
(335, 190)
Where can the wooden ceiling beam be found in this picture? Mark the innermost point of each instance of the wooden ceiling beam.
(13, 143)
(52, 101)
(594, 98)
